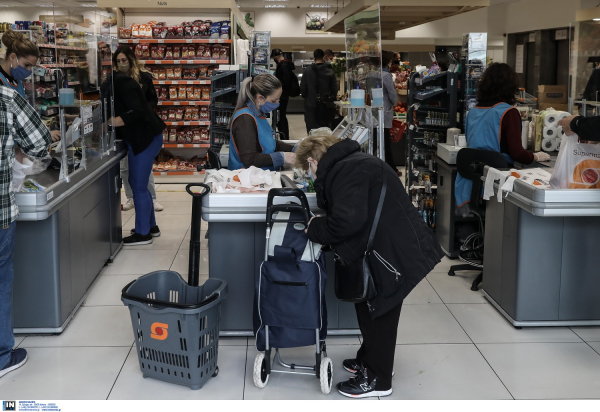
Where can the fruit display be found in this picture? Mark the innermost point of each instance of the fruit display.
(315, 22)
(400, 109)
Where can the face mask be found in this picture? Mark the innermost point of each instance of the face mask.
(268, 107)
(123, 67)
(19, 72)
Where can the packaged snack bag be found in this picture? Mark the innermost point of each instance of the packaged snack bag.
(177, 72)
(190, 92)
(182, 93)
(177, 52)
(169, 53)
(179, 114)
(173, 93)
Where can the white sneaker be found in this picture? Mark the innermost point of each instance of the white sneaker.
(128, 205)
(158, 207)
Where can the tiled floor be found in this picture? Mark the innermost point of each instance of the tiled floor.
(452, 344)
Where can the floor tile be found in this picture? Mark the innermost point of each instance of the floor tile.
(423, 293)
(172, 231)
(18, 340)
(176, 208)
(229, 384)
(588, 334)
(107, 290)
(286, 386)
(444, 372)
(140, 262)
(445, 264)
(171, 188)
(595, 346)
(484, 324)
(546, 370)
(429, 324)
(180, 196)
(456, 289)
(91, 326)
(181, 262)
(65, 373)
(342, 340)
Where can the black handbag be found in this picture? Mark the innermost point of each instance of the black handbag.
(354, 281)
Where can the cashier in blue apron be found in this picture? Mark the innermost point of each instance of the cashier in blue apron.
(21, 55)
(252, 141)
(495, 124)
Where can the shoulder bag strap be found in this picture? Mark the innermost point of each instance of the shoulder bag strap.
(378, 212)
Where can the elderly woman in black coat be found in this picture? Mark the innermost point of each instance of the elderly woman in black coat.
(348, 185)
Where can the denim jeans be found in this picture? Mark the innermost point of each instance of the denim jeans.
(125, 177)
(140, 167)
(7, 338)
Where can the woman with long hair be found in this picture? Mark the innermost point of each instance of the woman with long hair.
(495, 124)
(252, 142)
(141, 129)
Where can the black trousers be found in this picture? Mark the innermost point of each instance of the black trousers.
(310, 118)
(320, 116)
(283, 125)
(379, 344)
(387, 140)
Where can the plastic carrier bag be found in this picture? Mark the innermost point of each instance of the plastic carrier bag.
(577, 165)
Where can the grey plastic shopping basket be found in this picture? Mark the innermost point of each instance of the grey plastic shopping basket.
(176, 324)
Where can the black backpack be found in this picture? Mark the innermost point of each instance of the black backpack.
(295, 89)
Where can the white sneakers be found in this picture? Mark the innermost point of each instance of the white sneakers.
(158, 207)
(129, 205)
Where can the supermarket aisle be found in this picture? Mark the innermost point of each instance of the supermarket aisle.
(451, 344)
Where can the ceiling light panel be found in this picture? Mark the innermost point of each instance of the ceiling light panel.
(320, 6)
(275, 6)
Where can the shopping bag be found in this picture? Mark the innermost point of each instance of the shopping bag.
(397, 130)
(577, 165)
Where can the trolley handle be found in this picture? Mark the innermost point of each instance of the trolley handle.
(209, 299)
(201, 194)
(287, 192)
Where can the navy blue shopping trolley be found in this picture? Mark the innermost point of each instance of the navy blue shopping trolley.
(289, 298)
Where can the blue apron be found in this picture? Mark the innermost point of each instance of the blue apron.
(482, 129)
(19, 87)
(265, 138)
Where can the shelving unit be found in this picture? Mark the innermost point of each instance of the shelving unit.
(225, 86)
(473, 60)
(176, 41)
(183, 103)
(432, 109)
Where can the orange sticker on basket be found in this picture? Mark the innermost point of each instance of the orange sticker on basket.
(159, 331)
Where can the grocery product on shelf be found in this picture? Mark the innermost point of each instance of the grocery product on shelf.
(197, 29)
(167, 162)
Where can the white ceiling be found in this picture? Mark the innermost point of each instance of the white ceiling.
(49, 3)
(249, 5)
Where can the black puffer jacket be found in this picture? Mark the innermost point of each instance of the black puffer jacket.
(318, 79)
(348, 186)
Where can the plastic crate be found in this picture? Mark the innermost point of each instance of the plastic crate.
(176, 326)
(220, 116)
(218, 137)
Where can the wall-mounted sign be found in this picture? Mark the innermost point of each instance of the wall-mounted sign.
(562, 34)
(520, 58)
(532, 37)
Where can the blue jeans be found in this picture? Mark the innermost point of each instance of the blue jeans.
(140, 167)
(7, 338)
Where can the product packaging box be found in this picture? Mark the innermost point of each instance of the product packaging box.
(548, 94)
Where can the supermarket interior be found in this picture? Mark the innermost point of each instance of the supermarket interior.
(204, 200)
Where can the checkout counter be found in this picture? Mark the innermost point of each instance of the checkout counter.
(540, 249)
(237, 236)
(67, 232)
(540, 266)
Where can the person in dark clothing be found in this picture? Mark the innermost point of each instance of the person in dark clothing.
(587, 128)
(252, 142)
(348, 186)
(319, 88)
(285, 74)
(329, 56)
(495, 124)
(141, 129)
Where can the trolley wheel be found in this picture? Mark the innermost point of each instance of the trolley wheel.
(451, 273)
(214, 375)
(326, 375)
(261, 378)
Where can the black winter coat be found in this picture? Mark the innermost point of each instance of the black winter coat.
(348, 187)
(134, 105)
(318, 79)
(285, 74)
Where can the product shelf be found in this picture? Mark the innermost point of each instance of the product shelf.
(185, 61)
(421, 81)
(186, 145)
(175, 173)
(167, 82)
(107, 63)
(184, 103)
(176, 41)
(52, 46)
(59, 66)
(425, 96)
(204, 123)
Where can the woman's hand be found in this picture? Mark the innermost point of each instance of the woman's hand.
(566, 124)
(306, 230)
(541, 157)
(55, 135)
(116, 122)
(289, 158)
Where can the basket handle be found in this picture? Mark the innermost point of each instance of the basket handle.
(209, 299)
(201, 194)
